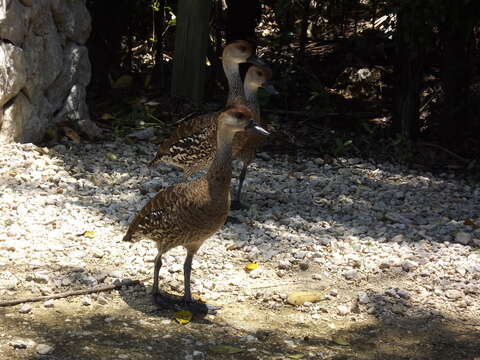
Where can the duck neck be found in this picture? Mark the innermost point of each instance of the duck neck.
(220, 173)
(235, 86)
(252, 100)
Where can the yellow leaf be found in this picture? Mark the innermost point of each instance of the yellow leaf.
(224, 349)
(250, 267)
(107, 116)
(111, 156)
(183, 316)
(340, 341)
(124, 81)
(89, 234)
(300, 297)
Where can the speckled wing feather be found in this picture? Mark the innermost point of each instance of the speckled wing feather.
(178, 215)
(192, 145)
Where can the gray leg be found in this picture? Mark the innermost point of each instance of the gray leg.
(187, 270)
(194, 306)
(158, 265)
(237, 202)
(241, 179)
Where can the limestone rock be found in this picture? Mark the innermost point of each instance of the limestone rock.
(44, 68)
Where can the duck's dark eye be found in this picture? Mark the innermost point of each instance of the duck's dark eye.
(239, 115)
(243, 48)
(259, 73)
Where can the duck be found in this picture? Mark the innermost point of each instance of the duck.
(246, 143)
(188, 213)
(192, 145)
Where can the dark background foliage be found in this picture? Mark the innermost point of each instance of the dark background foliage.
(394, 78)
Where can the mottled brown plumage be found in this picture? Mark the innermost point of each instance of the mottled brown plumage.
(188, 213)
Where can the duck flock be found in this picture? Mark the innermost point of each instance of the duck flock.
(188, 213)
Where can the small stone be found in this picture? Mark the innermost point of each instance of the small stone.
(284, 264)
(44, 349)
(317, 277)
(86, 301)
(363, 297)
(463, 238)
(404, 294)
(351, 274)
(49, 303)
(102, 300)
(343, 310)
(176, 267)
(409, 265)
(453, 294)
(255, 274)
(384, 264)
(21, 343)
(319, 161)
(299, 254)
(25, 309)
(398, 238)
(398, 309)
(333, 292)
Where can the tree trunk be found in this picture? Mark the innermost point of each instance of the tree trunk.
(408, 72)
(159, 27)
(188, 78)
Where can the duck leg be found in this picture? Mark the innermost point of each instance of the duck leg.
(237, 203)
(159, 299)
(194, 306)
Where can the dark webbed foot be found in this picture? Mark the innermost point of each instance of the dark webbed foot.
(167, 302)
(201, 308)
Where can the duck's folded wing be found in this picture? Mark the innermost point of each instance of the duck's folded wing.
(188, 135)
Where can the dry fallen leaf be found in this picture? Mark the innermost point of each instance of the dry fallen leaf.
(89, 234)
(296, 356)
(111, 156)
(300, 297)
(340, 341)
(250, 267)
(107, 116)
(224, 349)
(183, 316)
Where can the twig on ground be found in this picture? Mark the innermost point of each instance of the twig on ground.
(92, 290)
(456, 156)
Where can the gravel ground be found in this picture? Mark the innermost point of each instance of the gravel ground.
(389, 255)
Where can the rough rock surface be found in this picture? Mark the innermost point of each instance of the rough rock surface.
(44, 68)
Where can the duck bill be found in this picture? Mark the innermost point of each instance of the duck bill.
(258, 129)
(255, 60)
(270, 88)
